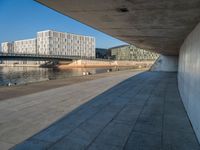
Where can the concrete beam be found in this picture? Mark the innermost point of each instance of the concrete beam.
(156, 25)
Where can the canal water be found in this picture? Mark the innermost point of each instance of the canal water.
(23, 75)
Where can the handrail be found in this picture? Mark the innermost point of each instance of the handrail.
(45, 56)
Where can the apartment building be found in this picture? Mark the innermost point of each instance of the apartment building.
(130, 52)
(27, 46)
(59, 43)
(7, 47)
(54, 43)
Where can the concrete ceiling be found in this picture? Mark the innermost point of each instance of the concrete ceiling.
(158, 25)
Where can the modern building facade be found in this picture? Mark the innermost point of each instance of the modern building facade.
(102, 53)
(59, 43)
(53, 43)
(130, 52)
(27, 46)
(7, 47)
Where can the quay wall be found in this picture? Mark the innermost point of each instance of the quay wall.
(99, 63)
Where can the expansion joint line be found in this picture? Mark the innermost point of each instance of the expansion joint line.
(145, 103)
(163, 116)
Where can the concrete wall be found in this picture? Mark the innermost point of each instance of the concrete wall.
(189, 77)
(98, 63)
(166, 63)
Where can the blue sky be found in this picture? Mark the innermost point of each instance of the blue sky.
(21, 19)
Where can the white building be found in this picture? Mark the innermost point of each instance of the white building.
(54, 43)
(59, 43)
(7, 47)
(27, 46)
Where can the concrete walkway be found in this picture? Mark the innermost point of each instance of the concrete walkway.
(144, 112)
(23, 116)
(35, 87)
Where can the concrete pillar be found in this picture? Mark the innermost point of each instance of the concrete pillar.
(166, 63)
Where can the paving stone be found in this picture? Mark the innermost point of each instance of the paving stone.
(180, 141)
(141, 141)
(153, 110)
(17, 134)
(174, 123)
(129, 114)
(149, 124)
(139, 99)
(114, 134)
(53, 133)
(69, 144)
(5, 146)
(31, 145)
(64, 126)
(104, 147)
(103, 117)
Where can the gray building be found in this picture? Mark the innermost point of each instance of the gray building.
(130, 52)
(101, 53)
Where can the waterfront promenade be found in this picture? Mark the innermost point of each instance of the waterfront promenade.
(27, 109)
(123, 111)
(141, 112)
(30, 88)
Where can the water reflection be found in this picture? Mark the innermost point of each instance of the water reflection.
(22, 75)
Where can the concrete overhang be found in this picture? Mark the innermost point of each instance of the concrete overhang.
(157, 25)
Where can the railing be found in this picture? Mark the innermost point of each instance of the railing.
(60, 57)
(39, 56)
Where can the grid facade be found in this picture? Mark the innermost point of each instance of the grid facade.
(7, 47)
(25, 46)
(130, 52)
(58, 43)
(54, 43)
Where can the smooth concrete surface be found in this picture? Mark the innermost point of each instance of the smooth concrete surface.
(189, 77)
(144, 112)
(23, 116)
(166, 63)
(158, 25)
